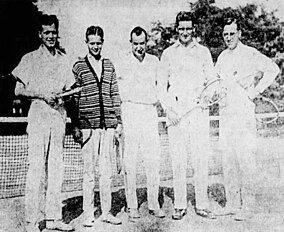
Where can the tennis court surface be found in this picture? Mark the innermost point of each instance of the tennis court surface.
(269, 210)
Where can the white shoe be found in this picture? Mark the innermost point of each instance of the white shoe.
(133, 215)
(32, 228)
(89, 221)
(226, 211)
(109, 218)
(58, 225)
(243, 215)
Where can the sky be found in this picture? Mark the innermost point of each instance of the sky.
(118, 17)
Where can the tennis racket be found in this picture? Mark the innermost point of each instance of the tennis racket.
(212, 93)
(141, 103)
(120, 164)
(266, 110)
(69, 92)
(90, 132)
(79, 138)
(118, 146)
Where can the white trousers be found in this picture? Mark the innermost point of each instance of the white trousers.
(195, 127)
(98, 148)
(46, 130)
(140, 127)
(238, 140)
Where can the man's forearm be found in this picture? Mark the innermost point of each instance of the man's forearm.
(24, 91)
(266, 81)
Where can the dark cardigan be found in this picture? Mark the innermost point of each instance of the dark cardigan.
(99, 101)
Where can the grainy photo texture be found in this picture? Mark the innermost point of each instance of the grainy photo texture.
(141, 116)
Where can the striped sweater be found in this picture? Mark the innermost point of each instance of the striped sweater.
(99, 101)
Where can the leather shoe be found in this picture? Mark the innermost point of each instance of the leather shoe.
(157, 213)
(205, 213)
(179, 214)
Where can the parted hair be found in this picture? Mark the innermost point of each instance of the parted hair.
(95, 30)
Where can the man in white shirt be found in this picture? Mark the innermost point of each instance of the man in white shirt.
(42, 74)
(140, 121)
(239, 65)
(186, 67)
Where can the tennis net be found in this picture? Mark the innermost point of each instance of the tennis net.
(14, 152)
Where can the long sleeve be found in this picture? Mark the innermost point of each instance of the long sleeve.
(115, 97)
(163, 81)
(208, 67)
(269, 69)
(72, 106)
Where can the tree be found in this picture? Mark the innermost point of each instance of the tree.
(259, 29)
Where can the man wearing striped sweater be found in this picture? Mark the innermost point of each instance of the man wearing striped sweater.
(99, 105)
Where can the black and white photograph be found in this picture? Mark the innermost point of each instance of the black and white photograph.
(142, 116)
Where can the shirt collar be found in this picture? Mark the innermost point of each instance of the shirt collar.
(192, 44)
(91, 58)
(135, 60)
(238, 48)
(44, 51)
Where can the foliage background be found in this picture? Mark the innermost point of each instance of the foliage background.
(260, 29)
(263, 30)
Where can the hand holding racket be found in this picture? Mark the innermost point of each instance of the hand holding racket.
(78, 135)
(211, 94)
(118, 147)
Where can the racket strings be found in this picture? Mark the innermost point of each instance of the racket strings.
(212, 93)
(267, 107)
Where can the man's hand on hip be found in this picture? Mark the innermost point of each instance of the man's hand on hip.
(252, 94)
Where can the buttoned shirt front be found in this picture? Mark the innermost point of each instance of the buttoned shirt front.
(138, 79)
(185, 70)
(96, 65)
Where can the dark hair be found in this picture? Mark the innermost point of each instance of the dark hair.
(184, 16)
(48, 20)
(138, 31)
(95, 30)
(230, 20)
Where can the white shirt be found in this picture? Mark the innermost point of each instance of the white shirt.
(238, 67)
(138, 79)
(186, 69)
(96, 65)
(44, 73)
(41, 72)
